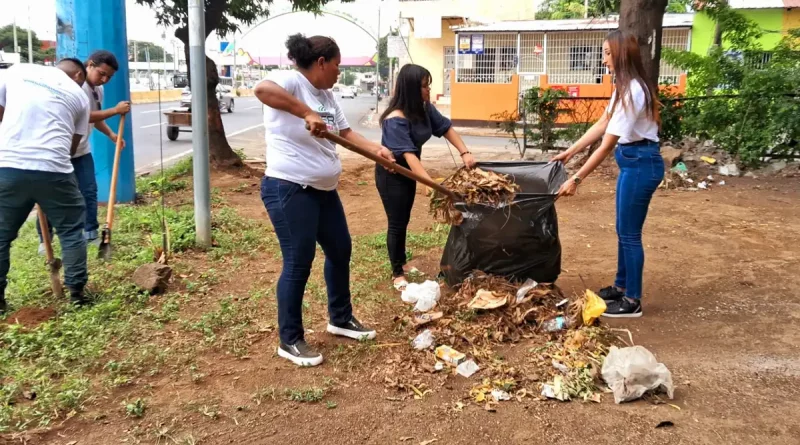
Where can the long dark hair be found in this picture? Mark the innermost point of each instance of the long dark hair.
(408, 93)
(304, 51)
(628, 66)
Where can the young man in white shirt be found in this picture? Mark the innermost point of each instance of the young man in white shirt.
(44, 113)
(100, 68)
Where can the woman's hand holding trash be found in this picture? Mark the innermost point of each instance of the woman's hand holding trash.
(468, 160)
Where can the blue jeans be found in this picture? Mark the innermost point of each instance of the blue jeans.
(303, 217)
(58, 196)
(87, 184)
(641, 172)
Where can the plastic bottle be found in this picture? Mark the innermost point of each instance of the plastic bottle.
(555, 324)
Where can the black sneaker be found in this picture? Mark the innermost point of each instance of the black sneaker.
(300, 354)
(624, 308)
(352, 329)
(610, 293)
(78, 297)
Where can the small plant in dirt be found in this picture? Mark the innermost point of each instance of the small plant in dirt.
(264, 394)
(135, 408)
(330, 404)
(305, 395)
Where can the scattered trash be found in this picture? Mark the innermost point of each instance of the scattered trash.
(708, 160)
(665, 424)
(422, 319)
(750, 175)
(500, 395)
(560, 367)
(438, 366)
(729, 170)
(428, 442)
(680, 167)
(721, 183)
(562, 303)
(703, 185)
(425, 295)
(486, 300)
(555, 390)
(555, 324)
(593, 307)
(526, 287)
(449, 355)
(632, 371)
(423, 341)
(467, 369)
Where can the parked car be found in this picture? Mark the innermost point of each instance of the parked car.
(355, 90)
(225, 96)
(348, 93)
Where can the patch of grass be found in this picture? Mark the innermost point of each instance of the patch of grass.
(264, 394)
(170, 181)
(305, 395)
(135, 408)
(227, 327)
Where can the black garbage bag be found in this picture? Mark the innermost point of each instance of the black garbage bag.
(518, 241)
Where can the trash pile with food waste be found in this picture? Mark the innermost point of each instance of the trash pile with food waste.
(463, 334)
(474, 186)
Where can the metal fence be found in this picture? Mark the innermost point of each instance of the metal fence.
(496, 64)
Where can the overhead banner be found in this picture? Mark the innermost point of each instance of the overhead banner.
(428, 27)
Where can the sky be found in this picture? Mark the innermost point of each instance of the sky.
(264, 40)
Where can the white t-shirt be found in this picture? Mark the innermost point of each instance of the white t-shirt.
(292, 153)
(630, 120)
(94, 105)
(44, 109)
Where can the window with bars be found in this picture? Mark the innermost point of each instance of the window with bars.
(678, 40)
(575, 57)
(531, 53)
(496, 64)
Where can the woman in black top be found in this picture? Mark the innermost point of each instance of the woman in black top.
(408, 122)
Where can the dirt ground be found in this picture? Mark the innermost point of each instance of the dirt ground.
(721, 310)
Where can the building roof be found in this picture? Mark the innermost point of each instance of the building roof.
(763, 4)
(594, 24)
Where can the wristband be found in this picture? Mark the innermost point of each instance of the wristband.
(466, 153)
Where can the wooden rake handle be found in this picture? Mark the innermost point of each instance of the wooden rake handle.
(112, 194)
(388, 164)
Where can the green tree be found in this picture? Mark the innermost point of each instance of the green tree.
(7, 44)
(574, 9)
(222, 17)
(142, 48)
(348, 77)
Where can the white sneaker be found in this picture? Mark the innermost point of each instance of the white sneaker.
(353, 329)
(300, 354)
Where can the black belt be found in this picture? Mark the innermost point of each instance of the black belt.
(640, 143)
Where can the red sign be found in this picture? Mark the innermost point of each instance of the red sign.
(574, 90)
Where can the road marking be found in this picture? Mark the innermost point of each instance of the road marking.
(153, 125)
(163, 109)
(188, 152)
(252, 108)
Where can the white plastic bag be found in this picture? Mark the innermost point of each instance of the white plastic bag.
(467, 368)
(425, 295)
(630, 372)
(526, 287)
(423, 341)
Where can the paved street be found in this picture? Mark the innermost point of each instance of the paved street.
(244, 130)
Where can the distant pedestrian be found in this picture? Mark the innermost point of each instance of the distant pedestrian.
(407, 124)
(299, 190)
(100, 68)
(44, 115)
(630, 123)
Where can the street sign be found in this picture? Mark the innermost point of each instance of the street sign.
(396, 47)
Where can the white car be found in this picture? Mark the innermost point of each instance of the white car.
(348, 93)
(224, 96)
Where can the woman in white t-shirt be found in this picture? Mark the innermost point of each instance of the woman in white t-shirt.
(630, 124)
(299, 189)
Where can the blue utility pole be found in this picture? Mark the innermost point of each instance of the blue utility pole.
(84, 26)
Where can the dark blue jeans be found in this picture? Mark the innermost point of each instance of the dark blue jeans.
(58, 196)
(303, 217)
(87, 184)
(397, 194)
(641, 171)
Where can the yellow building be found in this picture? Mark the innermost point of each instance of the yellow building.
(431, 40)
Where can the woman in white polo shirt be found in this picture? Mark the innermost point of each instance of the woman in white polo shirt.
(630, 124)
(299, 189)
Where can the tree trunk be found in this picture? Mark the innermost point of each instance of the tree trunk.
(644, 19)
(220, 152)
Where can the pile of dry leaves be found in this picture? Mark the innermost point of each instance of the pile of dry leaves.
(474, 186)
(487, 311)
